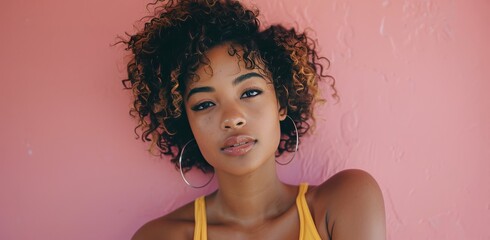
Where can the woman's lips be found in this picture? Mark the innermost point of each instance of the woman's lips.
(238, 145)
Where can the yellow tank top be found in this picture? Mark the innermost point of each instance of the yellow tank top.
(307, 229)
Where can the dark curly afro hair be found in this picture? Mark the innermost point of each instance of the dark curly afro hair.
(173, 45)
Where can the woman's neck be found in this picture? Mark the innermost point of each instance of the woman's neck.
(253, 198)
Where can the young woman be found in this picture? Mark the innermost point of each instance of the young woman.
(216, 92)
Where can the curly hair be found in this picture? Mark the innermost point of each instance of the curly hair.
(172, 46)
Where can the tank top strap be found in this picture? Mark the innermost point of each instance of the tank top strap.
(200, 228)
(307, 228)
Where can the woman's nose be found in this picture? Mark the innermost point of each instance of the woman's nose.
(233, 119)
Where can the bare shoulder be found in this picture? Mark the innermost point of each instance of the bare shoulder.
(178, 224)
(351, 184)
(351, 204)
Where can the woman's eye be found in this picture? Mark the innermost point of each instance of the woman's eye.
(251, 93)
(202, 106)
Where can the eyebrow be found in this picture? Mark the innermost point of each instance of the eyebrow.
(236, 81)
(246, 76)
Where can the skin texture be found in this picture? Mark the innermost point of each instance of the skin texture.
(251, 202)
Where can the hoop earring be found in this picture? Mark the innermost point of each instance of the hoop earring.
(297, 143)
(182, 172)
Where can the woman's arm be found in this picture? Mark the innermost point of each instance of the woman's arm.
(354, 206)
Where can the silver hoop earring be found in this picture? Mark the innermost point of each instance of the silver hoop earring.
(297, 143)
(182, 172)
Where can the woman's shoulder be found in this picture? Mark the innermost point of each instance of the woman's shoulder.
(178, 224)
(349, 184)
(350, 199)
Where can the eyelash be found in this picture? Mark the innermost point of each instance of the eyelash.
(249, 92)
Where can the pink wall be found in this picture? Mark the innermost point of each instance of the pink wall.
(414, 111)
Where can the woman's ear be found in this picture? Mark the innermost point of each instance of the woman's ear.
(283, 112)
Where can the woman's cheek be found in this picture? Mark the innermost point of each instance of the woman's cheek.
(205, 135)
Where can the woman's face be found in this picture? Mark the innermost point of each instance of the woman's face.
(233, 113)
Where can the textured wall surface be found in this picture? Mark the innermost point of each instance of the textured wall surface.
(414, 112)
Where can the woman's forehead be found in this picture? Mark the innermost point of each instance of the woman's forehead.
(221, 61)
(222, 75)
(224, 62)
